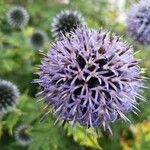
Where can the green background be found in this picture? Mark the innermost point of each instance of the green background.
(18, 64)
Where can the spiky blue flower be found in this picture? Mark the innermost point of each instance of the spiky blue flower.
(65, 22)
(9, 95)
(138, 22)
(17, 17)
(38, 39)
(22, 135)
(90, 78)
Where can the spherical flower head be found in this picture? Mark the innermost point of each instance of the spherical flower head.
(38, 39)
(22, 135)
(9, 95)
(90, 78)
(17, 17)
(65, 22)
(138, 22)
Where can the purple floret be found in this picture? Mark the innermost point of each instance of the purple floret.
(90, 78)
(138, 22)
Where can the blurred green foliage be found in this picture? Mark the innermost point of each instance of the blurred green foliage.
(18, 63)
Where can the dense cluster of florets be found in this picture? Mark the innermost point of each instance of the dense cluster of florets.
(17, 17)
(22, 135)
(65, 22)
(9, 95)
(38, 39)
(90, 78)
(138, 22)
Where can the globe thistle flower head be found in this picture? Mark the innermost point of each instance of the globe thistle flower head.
(90, 78)
(9, 95)
(17, 17)
(65, 22)
(22, 135)
(38, 39)
(138, 22)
